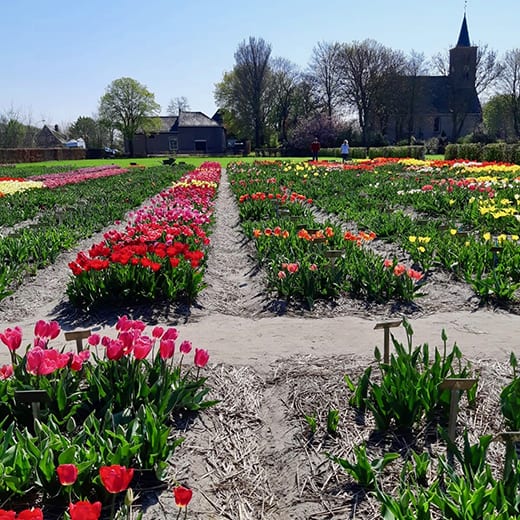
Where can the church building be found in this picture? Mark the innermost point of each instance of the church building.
(446, 107)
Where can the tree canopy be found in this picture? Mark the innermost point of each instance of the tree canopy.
(128, 106)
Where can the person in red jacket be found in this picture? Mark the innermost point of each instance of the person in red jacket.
(315, 148)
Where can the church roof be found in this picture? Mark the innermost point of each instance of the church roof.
(464, 35)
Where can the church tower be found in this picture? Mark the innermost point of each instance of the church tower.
(463, 61)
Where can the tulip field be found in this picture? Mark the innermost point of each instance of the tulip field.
(104, 419)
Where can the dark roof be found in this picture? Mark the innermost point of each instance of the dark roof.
(186, 119)
(195, 119)
(62, 139)
(167, 122)
(432, 94)
(436, 95)
(464, 35)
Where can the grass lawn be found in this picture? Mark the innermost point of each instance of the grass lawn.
(157, 161)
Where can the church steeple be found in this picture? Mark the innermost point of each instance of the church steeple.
(464, 34)
(463, 60)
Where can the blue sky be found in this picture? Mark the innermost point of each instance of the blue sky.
(59, 56)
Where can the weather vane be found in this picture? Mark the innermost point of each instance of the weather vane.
(465, 6)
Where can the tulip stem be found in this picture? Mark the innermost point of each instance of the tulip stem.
(113, 507)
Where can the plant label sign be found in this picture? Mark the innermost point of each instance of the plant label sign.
(455, 385)
(386, 326)
(78, 336)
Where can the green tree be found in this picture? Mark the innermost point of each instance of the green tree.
(91, 131)
(498, 119)
(129, 106)
(12, 133)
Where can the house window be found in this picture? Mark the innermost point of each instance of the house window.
(437, 124)
(173, 145)
(200, 145)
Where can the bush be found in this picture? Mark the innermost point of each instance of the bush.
(355, 152)
(416, 152)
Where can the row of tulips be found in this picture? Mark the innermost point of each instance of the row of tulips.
(468, 212)
(115, 479)
(37, 225)
(112, 410)
(11, 185)
(306, 260)
(161, 252)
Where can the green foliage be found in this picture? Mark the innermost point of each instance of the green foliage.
(408, 389)
(510, 398)
(363, 470)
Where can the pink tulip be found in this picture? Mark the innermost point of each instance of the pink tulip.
(171, 333)
(42, 362)
(157, 332)
(45, 331)
(12, 338)
(123, 323)
(94, 340)
(78, 359)
(115, 350)
(6, 371)
(142, 347)
(166, 348)
(201, 357)
(185, 347)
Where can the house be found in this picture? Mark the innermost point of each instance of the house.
(48, 138)
(445, 107)
(187, 133)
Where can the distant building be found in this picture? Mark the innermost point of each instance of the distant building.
(446, 107)
(189, 133)
(50, 138)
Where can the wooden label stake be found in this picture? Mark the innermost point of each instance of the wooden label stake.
(455, 386)
(332, 254)
(511, 440)
(79, 336)
(387, 325)
(35, 397)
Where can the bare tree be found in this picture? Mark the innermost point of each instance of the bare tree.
(178, 105)
(369, 69)
(283, 82)
(325, 72)
(251, 71)
(510, 85)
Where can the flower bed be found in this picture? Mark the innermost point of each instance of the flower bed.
(106, 411)
(160, 254)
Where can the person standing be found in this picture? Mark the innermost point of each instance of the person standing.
(315, 148)
(345, 151)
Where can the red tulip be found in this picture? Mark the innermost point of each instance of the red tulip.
(116, 478)
(12, 338)
(7, 515)
(201, 357)
(30, 514)
(182, 496)
(84, 510)
(67, 474)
